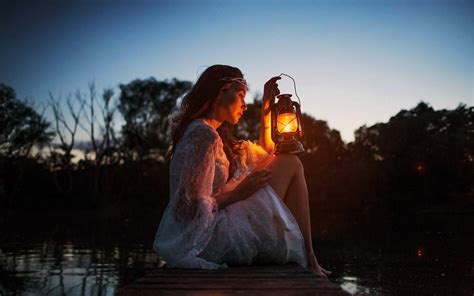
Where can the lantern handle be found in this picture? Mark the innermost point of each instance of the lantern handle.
(294, 85)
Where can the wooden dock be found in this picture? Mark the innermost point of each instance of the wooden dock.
(288, 279)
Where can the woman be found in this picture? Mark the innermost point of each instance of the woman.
(232, 202)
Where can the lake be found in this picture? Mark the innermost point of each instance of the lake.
(84, 253)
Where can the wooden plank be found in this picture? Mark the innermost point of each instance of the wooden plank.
(290, 267)
(288, 279)
(287, 270)
(231, 275)
(307, 292)
(234, 283)
(236, 286)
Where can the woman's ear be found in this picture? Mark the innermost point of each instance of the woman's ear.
(221, 100)
(226, 87)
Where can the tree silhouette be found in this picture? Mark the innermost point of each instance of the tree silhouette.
(65, 130)
(422, 152)
(21, 127)
(418, 157)
(146, 106)
(249, 125)
(104, 143)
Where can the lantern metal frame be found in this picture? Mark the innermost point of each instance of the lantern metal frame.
(288, 142)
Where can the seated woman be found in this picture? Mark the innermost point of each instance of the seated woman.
(232, 202)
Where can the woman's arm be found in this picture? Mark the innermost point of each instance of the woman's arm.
(251, 183)
(269, 92)
(226, 198)
(266, 129)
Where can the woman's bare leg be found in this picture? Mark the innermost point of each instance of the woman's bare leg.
(288, 181)
(296, 199)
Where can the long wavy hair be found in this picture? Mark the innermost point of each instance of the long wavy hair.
(199, 102)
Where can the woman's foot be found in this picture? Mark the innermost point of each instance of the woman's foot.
(314, 266)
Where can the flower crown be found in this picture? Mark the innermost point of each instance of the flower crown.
(237, 79)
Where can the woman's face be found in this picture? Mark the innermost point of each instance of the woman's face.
(231, 104)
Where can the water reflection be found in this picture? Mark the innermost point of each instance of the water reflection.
(96, 256)
(351, 285)
(51, 268)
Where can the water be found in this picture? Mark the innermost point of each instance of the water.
(67, 268)
(87, 254)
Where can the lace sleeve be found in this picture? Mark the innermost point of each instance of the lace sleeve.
(197, 175)
(191, 216)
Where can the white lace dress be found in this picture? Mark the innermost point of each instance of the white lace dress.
(258, 229)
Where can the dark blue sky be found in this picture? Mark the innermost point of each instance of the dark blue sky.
(354, 62)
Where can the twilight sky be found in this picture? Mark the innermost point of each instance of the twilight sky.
(354, 62)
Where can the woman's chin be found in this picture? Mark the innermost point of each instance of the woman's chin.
(234, 121)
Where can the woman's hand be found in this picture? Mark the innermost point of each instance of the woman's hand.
(253, 182)
(270, 91)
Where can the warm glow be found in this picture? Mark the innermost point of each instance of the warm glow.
(287, 122)
(419, 252)
(265, 133)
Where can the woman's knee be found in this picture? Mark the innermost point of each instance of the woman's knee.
(289, 161)
(283, 168)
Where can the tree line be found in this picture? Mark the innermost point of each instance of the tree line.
(419, 157)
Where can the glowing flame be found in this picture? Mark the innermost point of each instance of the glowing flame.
(287, 123)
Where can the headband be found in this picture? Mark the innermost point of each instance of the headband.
(239, 80)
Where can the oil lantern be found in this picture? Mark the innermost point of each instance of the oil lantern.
(286, 125)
